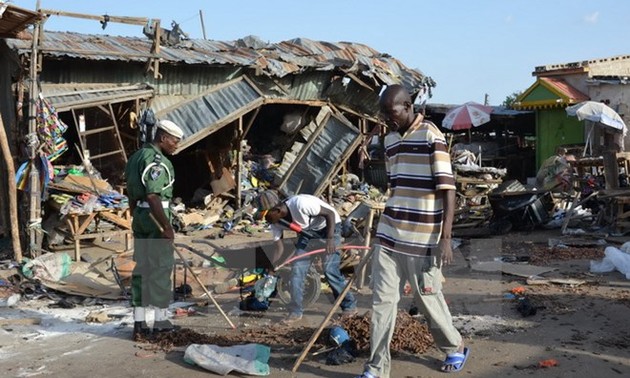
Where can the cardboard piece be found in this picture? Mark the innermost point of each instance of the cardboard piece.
(85, 182)
(224, 184)
(86, 283)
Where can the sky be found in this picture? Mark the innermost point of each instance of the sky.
(470, 48)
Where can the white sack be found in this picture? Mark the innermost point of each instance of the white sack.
(249, 359)
(614, 259)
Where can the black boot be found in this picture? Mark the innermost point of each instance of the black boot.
(140, 331)
(164, 326)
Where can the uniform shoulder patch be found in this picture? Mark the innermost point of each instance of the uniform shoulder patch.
(156, 172)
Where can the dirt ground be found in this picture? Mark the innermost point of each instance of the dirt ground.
(583, 328)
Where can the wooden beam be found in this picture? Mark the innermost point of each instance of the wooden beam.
(104, 18)
(34, 179)
(13, 225)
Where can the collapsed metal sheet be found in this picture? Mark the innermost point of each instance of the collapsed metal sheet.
(327, 148)
(211, 111)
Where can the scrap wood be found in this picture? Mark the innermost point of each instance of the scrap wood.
(20, 321)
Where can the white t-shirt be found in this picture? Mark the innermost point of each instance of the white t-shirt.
(305, 209)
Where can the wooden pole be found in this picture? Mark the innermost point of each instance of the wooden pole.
(13, 209)
(336, 305)
(34, 180)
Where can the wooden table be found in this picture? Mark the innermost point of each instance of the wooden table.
(78, 227)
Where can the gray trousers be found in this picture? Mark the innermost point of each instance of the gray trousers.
(425, 278)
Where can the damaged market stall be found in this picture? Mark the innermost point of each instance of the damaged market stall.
(238, 86)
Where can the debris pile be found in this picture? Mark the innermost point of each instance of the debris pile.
(474, 184)
(274, 337)
(542, 255)
(409, 335)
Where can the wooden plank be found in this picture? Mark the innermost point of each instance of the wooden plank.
(20, 321)
(119, 221)
(118, 19)
(105, 154)
(97, 131)
(85, 223)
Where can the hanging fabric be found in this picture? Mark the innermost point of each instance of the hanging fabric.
(50, 129)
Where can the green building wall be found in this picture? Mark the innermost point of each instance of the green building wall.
(555, 128)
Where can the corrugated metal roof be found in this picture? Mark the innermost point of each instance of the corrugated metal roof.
(67, 97)
(203, 115)
(309, 174)
(15, 19)
(279, 59)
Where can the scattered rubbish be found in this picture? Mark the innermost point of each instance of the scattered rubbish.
(345, 350)
(184, 290)
(246, 359)
(614, 258)
(49, 266)
(338, 336)
(97, 317)
(252, 303)
(548, 363)
(19, 321)
(10, 301)
(525, 307)
(537, 280)
(409, 334)
(62, 303)
(344, 354)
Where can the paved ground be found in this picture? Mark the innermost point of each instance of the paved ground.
(584, 328)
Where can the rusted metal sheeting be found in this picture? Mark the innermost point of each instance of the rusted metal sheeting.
(15, 19)
(280, 59)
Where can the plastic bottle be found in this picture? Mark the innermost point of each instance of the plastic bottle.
(264, 287)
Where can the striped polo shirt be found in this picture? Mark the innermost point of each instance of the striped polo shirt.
(418, 165)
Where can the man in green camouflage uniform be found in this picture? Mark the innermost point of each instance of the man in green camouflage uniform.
(150, 177)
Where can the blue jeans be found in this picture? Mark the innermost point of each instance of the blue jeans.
(333, 275)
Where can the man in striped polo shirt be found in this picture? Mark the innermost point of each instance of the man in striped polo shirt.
(413, 237)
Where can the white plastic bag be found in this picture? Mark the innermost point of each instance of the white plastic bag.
(614, 259)
(249, 359)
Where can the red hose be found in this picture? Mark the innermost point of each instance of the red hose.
(317, 251)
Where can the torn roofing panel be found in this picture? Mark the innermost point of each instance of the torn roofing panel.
(15, 19)
(279, 59)
(327, 148)
(205, 114)
(65, 97)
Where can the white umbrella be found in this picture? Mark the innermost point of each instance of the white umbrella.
(466, 116)
(597, 112)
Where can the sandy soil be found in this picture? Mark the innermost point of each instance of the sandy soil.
(583, 328)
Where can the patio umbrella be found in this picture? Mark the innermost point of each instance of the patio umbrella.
(467, 116)
(597, 112)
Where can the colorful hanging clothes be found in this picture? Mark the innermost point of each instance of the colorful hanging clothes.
(46, 174)
(50, 129)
